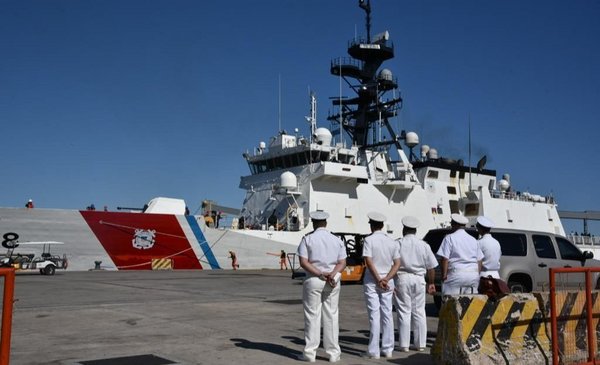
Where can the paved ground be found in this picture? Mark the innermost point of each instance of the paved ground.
(178, 317)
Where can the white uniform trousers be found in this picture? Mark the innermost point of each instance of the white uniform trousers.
(319, 297)
(410, 305)
(493, 273)
(461, 282)
(381, 318)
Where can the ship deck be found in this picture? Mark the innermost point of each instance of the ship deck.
(178, 317)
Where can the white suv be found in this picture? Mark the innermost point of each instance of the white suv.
(527, 256)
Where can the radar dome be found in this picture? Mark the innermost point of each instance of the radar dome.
(412, 139)
(503, 185)
(323, 136)
(288, 180)
(432, 154)
(385, 74)
(262, 145)
(424, 150)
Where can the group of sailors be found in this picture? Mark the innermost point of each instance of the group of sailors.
(396, 274)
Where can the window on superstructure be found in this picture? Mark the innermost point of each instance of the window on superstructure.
(453, 173)
(432, 174)
(454, 206)
(472, 209)
(451, 189)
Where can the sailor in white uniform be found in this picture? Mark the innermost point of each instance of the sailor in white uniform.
(416, 261)
(460, 259)
(382, 257)
(490, 248)
(323, 257)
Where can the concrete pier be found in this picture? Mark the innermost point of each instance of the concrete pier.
(179, 317)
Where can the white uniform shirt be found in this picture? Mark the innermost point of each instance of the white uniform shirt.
(491, 252)
(322, 249)
(461, 250)
(416, 256)
(382, 250)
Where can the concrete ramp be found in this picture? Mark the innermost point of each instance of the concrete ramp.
(475, 330)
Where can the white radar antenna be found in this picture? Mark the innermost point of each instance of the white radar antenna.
(312, 118)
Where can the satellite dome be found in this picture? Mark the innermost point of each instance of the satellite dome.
(288, 180)
(503, 185)
(262, 145)
(323, 136)
(432, 154)
(424, 150)
(385, 74)
(412, 139)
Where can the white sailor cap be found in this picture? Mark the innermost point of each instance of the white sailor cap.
(410, 222)
(376, 217)
(459, 219)
(485, 222)
(318, 215)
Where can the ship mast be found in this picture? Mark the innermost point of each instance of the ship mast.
(358, 116)
(366, 6)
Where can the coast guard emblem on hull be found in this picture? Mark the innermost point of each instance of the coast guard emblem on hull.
(143, 239)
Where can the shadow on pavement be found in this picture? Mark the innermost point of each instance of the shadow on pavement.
(267, 347)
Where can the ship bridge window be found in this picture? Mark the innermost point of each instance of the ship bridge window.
(451, 189)
(258, 167)
(289, 161)
(270, 164)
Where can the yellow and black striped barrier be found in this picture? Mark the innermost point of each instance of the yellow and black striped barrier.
(475, 330)
(162, 264)
(571, 322)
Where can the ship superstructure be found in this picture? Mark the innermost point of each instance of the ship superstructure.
(358, 164)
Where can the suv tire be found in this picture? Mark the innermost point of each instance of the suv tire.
(520, 282)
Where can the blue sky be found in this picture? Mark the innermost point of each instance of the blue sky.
(115, 102)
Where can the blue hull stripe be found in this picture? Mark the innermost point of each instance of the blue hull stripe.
(208, 254)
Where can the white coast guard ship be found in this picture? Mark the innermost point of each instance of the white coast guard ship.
(353, 164)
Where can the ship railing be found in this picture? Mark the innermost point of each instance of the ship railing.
(361, 40)
(583, 239)
(346, 61)
(525, 197)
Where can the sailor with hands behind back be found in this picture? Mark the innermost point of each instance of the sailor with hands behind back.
(323, 257)
(382, 257)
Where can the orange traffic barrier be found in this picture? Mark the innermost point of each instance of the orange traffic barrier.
(574, 316)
